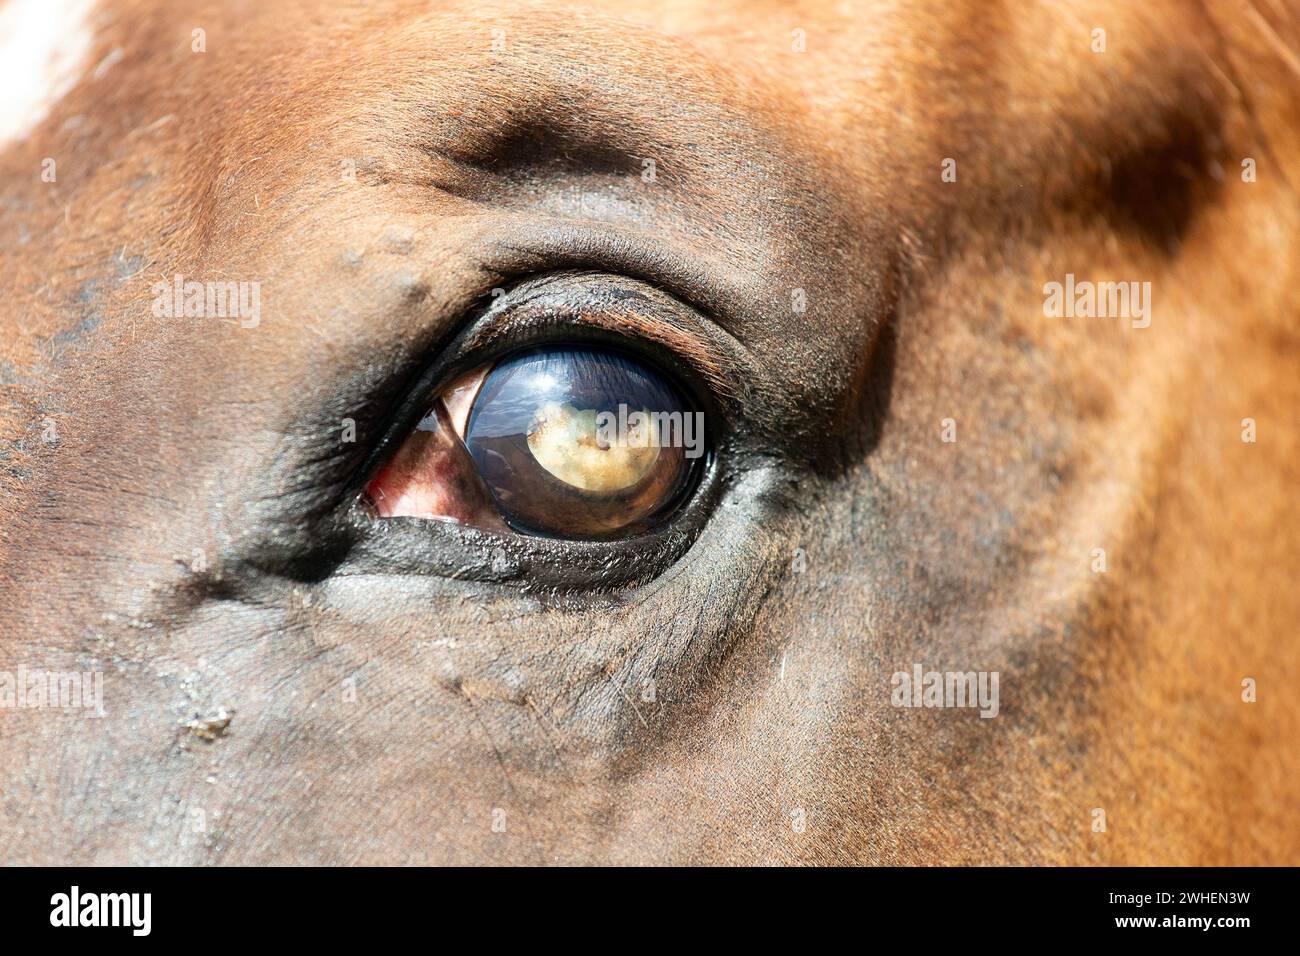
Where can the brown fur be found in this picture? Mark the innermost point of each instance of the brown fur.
(777, 170)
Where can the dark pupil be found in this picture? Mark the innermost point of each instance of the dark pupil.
(535, 435)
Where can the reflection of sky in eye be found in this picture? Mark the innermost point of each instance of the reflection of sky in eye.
(585, 378)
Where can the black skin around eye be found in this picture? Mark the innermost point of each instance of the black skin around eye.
(532, 497)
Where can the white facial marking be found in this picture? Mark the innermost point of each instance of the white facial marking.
(43, 49)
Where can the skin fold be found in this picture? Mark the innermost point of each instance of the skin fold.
(176, 491)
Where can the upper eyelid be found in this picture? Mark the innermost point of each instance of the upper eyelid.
(632, 326)
(622, 306)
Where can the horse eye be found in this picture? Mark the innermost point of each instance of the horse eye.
(562, 442)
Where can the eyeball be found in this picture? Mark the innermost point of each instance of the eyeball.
(569, 442)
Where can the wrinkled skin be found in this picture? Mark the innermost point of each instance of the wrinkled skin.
(399, 688)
